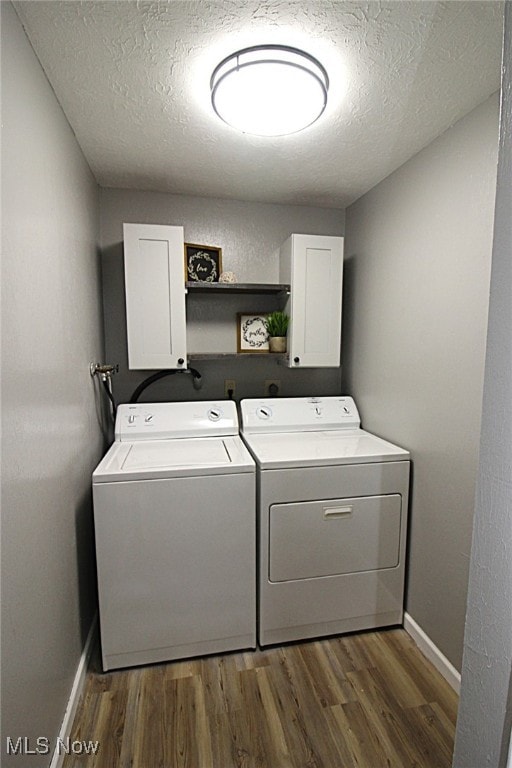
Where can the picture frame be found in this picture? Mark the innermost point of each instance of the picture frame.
(203, 263)
(252, 335)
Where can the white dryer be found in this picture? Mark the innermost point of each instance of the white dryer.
(174, 515)
(332, 518)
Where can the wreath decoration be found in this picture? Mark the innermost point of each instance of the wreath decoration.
(202, 262)
(254, 336)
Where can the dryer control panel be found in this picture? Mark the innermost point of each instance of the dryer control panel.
(161, 421)
(299, 414)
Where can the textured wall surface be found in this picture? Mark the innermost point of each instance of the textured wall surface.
(51, 437)
(249, 235)
(417, 267)
(485, 712)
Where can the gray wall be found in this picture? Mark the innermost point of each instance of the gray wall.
(485, 712)
(51, 437)
(417, 268)
(249, 235)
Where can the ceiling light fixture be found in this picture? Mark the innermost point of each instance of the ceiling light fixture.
(269, 90)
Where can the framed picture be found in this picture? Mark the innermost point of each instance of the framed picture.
(252, 335)
(203, 263)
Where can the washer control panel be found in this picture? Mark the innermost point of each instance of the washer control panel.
(299, 414)
(160, 421)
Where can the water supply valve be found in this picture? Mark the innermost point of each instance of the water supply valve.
(104, 371)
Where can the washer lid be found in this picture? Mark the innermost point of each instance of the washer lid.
(159, 459)
(311, 449)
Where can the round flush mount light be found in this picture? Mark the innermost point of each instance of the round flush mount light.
(269, 90)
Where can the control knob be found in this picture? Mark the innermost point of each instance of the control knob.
(264, 412)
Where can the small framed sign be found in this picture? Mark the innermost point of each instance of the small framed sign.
(252, 334)
(203, 263)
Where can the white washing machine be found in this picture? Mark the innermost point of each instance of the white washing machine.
(174, 514)
(332, 518)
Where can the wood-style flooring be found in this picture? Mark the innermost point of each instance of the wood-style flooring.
(367, 700)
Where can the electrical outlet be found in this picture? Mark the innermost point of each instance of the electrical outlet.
(229, 387)
(272, 387)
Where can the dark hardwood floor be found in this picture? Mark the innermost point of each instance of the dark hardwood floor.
(367, 700)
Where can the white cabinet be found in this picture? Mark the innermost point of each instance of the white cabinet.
(313, 266)
(155, 296)
(311, 270)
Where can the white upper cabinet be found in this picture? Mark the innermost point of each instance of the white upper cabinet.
(313, 266)
(155, 296)
(310, 265)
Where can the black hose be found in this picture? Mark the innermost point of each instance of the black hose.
(110, 397)
(160, 375)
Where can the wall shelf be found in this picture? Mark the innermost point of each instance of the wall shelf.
(227, 288)
(234, 355)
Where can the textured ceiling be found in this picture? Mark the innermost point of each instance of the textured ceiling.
(133, 81)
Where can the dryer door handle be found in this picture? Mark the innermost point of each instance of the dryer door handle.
(331, 513)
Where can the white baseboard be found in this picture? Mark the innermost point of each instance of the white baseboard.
(74, 698)
(432, 652)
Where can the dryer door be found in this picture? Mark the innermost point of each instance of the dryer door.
(334, 536)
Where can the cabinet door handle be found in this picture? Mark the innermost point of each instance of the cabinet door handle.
(296, 359)
(331, 513)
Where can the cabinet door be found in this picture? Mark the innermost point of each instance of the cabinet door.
(155, 296)
(313, 264)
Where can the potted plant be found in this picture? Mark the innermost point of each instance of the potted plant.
(276, 324)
